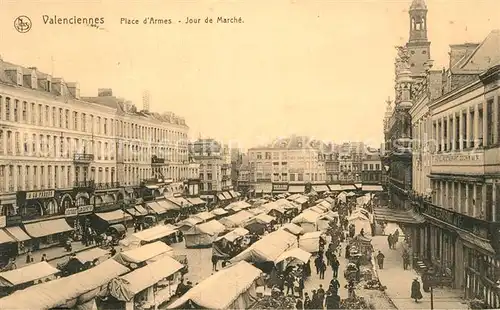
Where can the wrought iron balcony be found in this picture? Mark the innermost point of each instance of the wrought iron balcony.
(84, 184)
(83, 158)
(107, 185)
(157, 161)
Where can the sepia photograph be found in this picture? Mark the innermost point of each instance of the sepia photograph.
(251, 154)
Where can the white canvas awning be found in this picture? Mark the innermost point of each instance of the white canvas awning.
(295, 253)
(27, 274)
(47, 228)
(146, 252)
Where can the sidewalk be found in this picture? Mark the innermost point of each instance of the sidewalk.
(398, 282)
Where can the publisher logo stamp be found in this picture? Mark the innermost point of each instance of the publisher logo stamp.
(22, 24)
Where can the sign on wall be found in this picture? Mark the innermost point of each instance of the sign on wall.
(40, 194)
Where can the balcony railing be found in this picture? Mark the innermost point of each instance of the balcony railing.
(83, 158)
(107, 185)
(84, 184)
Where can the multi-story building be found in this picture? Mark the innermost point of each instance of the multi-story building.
(350, 156)
(62, 153)
(371, 172)
(214, 161)
(244, 175)
(332, 164)
(287, 165)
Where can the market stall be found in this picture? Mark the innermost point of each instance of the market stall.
(360, 222)
(293, 229)
(68, 292)
(146, 287)
(236, 220)
(203, 216)
(324, 220)
(164, 233)
(145, 254)
(82, 261)
(21, 278)
(230, 288)
(202, 235)
(307, 220)
(219, 213)
(310, 242)
(230, 244)
(293, 256)
(361, 249)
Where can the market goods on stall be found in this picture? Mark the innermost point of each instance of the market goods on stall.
(270, 302)
(354, 303)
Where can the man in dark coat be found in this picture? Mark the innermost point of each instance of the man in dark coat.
(335, 267)
(416, 294)
(334, 286)
(317, 263)
(389, 241)
(322, 270)
(307, 302)
(380, 260)
(332, 301)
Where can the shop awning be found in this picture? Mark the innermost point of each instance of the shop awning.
(301, 200)
(234, 234)
(268, 249)
(47, 228)
(114, 217)
(293, 229)
(167, 205)
(233, 193)
(294, 189)
(349, 187)
(152, 186)
(227, 195)
(236, 219)
(154, 233)
(219, 211)
(220, 196)
(18, 234)
(372, 188)
(397, 216)
(156, 208)
(5, 238)
(320, 188)
(127, 286)
(196, 201)
(476, 241)
(181, 202)
(266, 188)
(335, 187)
(204, 216)
(27, 274)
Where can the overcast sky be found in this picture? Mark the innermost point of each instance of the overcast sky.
(318, 68)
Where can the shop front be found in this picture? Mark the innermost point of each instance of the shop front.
(280, 188)
(79, 217)
(47, 233)
(11, 225)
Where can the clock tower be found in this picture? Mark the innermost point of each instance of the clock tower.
(418, 46)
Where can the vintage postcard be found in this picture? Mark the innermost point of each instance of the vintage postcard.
(251, 154)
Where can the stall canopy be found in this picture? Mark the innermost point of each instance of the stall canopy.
(180, 201)
(320, 188)
(196, 201)
(326, 204)
(153, 233)
(5, 237)
(144, 253)
(234, 234)
(56, 293)
(329, 200)
(309, 242)
(263, 219)
(256, 211)
(91, 255)
(221, 196)
(269, 248)
(211, 228)
(219, 212)
(273, 206)
(238, 206)
(155, 206)
(348, 187)
(222, 289)
(27, 274)
(47, 228)
(17, 233)
(286, 204)
(234, 194)
(293, 229)
(227, 195)
(335, 187)
(293, 197)
(236, 219)
(294, 189)
(114, 217)
(372, 188)
(307, 216)
(204, 216)
(127, 286)
(301, 200)
(295, 253)
(317, 209)
(168, 205)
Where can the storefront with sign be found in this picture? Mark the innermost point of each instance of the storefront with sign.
(79, 218)
(38, 204)
(280, 188)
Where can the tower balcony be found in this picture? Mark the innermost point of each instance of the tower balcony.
(83, 158)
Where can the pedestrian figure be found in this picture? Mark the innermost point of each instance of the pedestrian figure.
(307, 302)
(321, 296)
(389, 241)
(44, 257)
(334, 285)
(214, 263)
(416, 294)
(335, 267)
(362, 232)
(317, 262)
(299, 305)
(347, 251)
(380, 260)
(301, 287)
(322, 270)
(406, 259)
(289, 282)
(28, 257)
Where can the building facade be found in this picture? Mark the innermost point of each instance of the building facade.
(350, 156)
(371, 172)
(286, 165)
(214, 161)
(61, 151)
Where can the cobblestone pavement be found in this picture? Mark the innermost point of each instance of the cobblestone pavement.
(398, 282)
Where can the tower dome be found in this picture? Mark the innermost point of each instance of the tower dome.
(418, 5)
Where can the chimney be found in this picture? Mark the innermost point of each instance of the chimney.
(104, 92)
(15, 75)
(58, 86)
(30, 79)
(458, 51)
(74, 89)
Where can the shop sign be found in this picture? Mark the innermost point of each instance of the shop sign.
(40, 195)
(3, 221)
(85, 209)
(280, 187)
(71, 212)
(14, 220)
(444, 215)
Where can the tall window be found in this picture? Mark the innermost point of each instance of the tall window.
(75, 120)
(16, 109)
(105, 126)
(489, 123)
(1, 143)
(7, 109)
(66, 119)
(61, 123)
(40, 115)
(84, 122)
(25, 112)
(33, 113)
(47, 111)
(33, 145)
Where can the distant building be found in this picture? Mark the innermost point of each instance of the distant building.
(371, 172)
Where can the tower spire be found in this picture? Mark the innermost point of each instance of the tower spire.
(418, 21)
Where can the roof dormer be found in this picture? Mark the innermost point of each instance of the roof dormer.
(15, 74)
